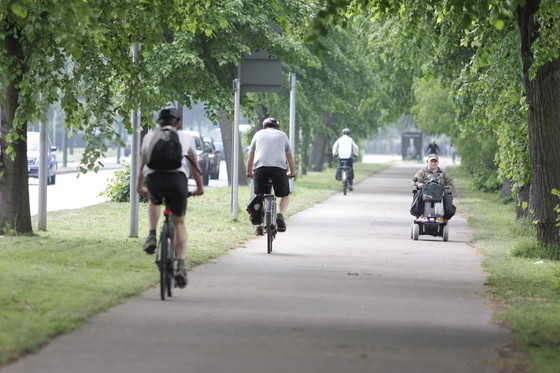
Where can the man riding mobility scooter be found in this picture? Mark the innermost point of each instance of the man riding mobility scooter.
(431, 220)
(432, 204)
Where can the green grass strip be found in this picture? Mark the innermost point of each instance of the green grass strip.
(53, 281)
(526, 290)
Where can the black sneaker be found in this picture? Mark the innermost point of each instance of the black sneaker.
(181, 278)
(351, 188)
(259, 231)
(150, 245)
(280, 223)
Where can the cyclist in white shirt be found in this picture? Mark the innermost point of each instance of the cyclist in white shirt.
(345, 148)
(270, 156)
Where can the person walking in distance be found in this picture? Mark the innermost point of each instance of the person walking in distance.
(168, 181)
(346, 149)
(270, 157)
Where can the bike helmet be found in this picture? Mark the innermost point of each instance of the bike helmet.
(346, 131)
(271, 122)
(169, 114)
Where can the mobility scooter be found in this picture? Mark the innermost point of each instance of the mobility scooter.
(428, 208)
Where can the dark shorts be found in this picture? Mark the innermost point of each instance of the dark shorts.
(279, 181)
(171, 186)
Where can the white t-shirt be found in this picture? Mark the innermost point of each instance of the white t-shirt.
(187, 142)
(270, 146)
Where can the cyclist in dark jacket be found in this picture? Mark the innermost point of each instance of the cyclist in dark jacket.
(433, 148)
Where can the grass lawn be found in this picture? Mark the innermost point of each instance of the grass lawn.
(526, 289)
(53, 281)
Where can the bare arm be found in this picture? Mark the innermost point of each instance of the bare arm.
(291, 165)
(250, 161)
(196, 173)
(140, 188)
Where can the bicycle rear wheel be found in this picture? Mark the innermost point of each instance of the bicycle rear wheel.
(269, 239)
(170, 279)
(163, 261)
(269, 230)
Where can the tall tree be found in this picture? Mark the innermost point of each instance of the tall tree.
(333, 92)
(468, 23)
(542, 85)
(80, 52)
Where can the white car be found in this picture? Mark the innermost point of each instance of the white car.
(33, 158)
(203, 159)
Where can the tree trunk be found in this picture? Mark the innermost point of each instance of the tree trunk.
(317, 157)
(226, 128)
(522, 201)
(14, 183)
(318, 152)
(544, 129)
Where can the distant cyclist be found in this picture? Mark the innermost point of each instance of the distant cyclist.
(346, 149)
(432, 148)
(171, 184)
(270, 156)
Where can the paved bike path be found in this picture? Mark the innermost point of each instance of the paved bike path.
(345, 290)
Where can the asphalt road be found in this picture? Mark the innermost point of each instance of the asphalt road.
(72, 191)
(345, 290)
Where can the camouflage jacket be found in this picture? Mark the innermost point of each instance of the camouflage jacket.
(424, 175)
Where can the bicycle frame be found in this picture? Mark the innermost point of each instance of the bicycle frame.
(269, 219)
(269, 215)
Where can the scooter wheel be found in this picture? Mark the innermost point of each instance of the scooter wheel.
(415, 232)
(445, 233)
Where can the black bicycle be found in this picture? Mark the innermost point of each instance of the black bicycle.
(344, 176)
(165, 255)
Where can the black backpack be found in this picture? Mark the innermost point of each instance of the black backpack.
(165, 151)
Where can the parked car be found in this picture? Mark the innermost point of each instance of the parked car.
(203, 156)
(214, 157)
(220, 147)
(33, 142)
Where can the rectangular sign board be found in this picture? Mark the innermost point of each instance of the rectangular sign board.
(260, 72)
(411, 145)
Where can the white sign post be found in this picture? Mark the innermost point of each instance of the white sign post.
(293, 120)
(134, 159)
(235, 162)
